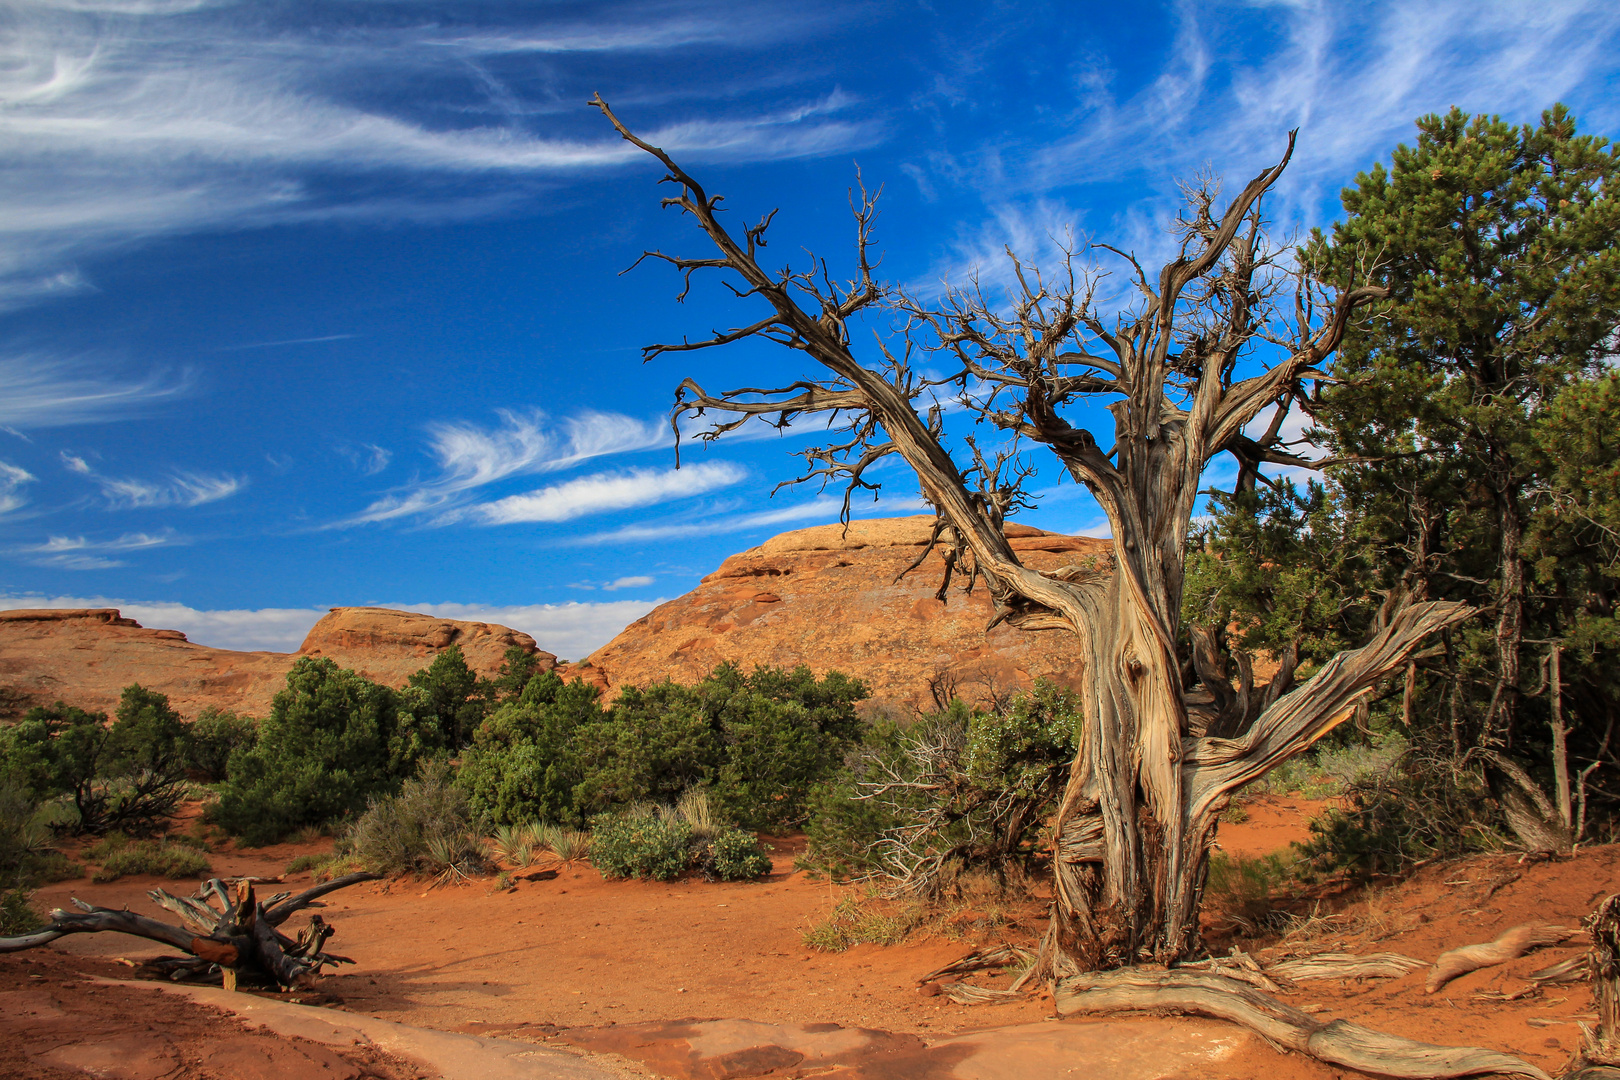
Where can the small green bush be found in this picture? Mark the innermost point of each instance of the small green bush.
(159, 857)
(214, 736)
(1248, 890)
(18, 915)
(855, 923)
(641, 843)
(26, 855)
(429, 827)
(735, 855)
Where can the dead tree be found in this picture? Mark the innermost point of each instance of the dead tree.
(228, 931)
(1138, 814)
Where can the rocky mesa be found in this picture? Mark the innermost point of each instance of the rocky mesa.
(828, 597)
(86, 657)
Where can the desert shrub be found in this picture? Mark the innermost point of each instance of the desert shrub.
(957, 789)
(328, 745)
(214, 736)
(18, 915)
(569, 845)
(517, 845)
(652, 745)
(854, 922)
(1416, 810)
(26, 855)
(734, 855)
(641, 843)
(429, 827)
(120, 857)
(1249, 890)
(440, 706)
(127, 775)
(759, 743)
(524, 764)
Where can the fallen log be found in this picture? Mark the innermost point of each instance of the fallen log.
(1508, 945)
(231, 933)
(1337, 1042)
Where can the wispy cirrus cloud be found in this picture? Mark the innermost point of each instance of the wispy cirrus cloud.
(601, 492)
(180, 488)
(817, 511)
(39, 389)
(123, 122)
(12, 479)
(635, 581)
(1236, 77)
(471, 456)
(79, 553)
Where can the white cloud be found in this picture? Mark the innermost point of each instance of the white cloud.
(610, 491)
(79, 553)
(817, 511)
(180, 489)
(43, 390)
(1238, 76)
(12, 480)
(634, 582)
(123, 122)
(471, 457)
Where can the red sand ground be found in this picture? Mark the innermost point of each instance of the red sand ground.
(576, 951)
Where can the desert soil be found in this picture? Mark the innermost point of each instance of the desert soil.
(565, 958)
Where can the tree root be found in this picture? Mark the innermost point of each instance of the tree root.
(236, 935)
(1385, 965)
(1509, 945)
(1337, 1042)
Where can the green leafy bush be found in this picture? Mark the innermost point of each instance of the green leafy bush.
(127, 775)
(735, 855)
(329, 744)
(758, 742)
(525, 762)
(214, 736)
(18, 915)
(641, 843)
(26, 854)
(429, 827)
(120, 857)
(1248, 890)
(957, 789)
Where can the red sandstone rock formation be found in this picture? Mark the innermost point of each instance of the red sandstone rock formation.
(86, 657)
(828, 599)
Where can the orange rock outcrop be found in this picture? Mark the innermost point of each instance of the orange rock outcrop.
(86, 657)
(829, 599)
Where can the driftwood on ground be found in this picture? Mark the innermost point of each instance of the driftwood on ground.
(1509, 945)
(228, 930)
(1338, 1042)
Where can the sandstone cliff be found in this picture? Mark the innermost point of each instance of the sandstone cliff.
(829, 599)
(86, 657)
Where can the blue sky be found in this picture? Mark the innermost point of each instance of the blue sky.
(315, 304)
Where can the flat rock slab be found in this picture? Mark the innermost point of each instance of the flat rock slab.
(1138, 1049)
(447, 1054)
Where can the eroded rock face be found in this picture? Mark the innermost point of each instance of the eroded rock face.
(828, 599)
(86, 657)
(387, 645)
